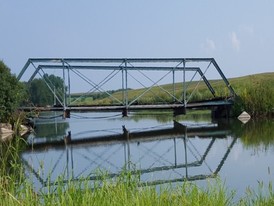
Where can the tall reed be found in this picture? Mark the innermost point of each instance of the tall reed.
(124, 190)
(11, 170)
(257, 98)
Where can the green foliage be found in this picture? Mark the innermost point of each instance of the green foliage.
(263, 197)
(119, 192)
(12, 93)
(11, 170)
(258, 98)
(41, 95)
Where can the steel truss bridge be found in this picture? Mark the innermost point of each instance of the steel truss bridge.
(150, 75)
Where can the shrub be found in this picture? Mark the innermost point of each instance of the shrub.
(11, 93)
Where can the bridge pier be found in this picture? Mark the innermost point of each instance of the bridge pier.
(179, 111)
(221, 112)
(125, 112)
(66, 113)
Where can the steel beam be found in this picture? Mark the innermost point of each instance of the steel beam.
(23, 70)
(153, 68)
(118, 60)
(232, 92)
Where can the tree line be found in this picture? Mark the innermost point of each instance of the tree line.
(14, 93)
(41, 91)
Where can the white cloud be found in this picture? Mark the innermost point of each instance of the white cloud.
(209, 45)
(235, 41)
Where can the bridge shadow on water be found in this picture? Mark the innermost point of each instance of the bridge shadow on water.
(156, 155)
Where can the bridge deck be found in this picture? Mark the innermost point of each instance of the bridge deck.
(202, 104)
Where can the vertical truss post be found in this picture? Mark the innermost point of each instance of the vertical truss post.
(54, 96)
(125, 89)
(184, 82)
(64, 90)
(173, 84)
(123, 86)
(126, 84)
(69, 95)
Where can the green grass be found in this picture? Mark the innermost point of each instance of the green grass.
(122, 191)
(256, 94)
(15, 189)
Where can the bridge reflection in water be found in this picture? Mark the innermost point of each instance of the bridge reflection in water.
(159, 156)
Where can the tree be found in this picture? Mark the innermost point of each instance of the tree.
(39, 91)
(12, 93)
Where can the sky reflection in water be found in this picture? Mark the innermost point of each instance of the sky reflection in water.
(161, 150)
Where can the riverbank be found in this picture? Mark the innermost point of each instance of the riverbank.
(255, 94)
(7, 132)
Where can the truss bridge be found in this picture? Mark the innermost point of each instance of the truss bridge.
(129, 84)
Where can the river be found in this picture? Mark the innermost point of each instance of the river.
(159, 148)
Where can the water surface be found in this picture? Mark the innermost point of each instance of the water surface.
(158, 147)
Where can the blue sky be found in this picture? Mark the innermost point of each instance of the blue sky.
(238, 34)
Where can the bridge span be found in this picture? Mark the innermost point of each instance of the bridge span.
(142, 83)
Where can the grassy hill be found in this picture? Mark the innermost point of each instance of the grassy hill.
(256, 93)
(251, 80)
